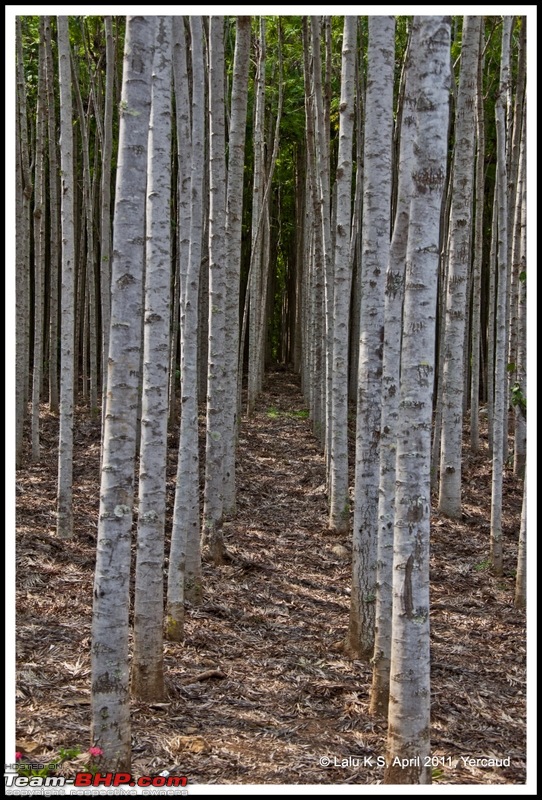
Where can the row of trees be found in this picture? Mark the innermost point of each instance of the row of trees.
(354, 205)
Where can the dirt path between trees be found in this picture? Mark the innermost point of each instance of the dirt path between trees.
(261, 690)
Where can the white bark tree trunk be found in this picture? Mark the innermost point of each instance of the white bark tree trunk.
(458, 273)
(148, 662)
(477, 256)
(376, 227)
(214, 467)
(67, 325)
(339, 514)
(234, 217)
(110, 667)
(105, 200)
(23, 198)
(520, 598)
(391, 374)
(520, 430)
(323, 219)
(409, 706)
(39, 248)
(184, 575)
(255, 283)
(500, 409)
(54, 244)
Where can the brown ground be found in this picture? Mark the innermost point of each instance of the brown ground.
(272, 622)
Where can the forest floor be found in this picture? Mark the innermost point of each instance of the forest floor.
(261, 691)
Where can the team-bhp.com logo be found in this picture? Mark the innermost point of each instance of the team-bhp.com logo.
(89, 779)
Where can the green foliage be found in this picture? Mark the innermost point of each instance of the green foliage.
(518, 398)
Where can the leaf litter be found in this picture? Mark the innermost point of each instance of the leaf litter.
(261, 688)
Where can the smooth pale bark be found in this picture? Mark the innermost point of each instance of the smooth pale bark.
(216, 399)
(110, 641)
(256, 257)
(391, 364)
(54, 239)
(460, 257)
(514, 224)
(90, 333)
(184, 574)
(23, 198)
(490, 367)
(520, 429)
(477, 257)
(314, 257)
(105, 199)
(67, 324)
(234, 218)
(409, 702)
(500, 408)
(323, 218)
(39, 247)
(375, 250)
(339, 513)
(148, 662)
(520, 597)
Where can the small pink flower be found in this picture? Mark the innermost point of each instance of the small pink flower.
(96, 751)
(18, 756)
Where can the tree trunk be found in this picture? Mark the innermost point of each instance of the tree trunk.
(391, 373)
(454, 322)
(184, 575)
(254, 289)
(520, 386)
(500, 410)
(39, 248)
(234, 218)
(214, 470)
(53, 222)
(110, 669)
(23, 233)
(67, 326)
(339, 517)
(520, 598)
(105, 202)
(148, 662)
(477, 256)
(374, 262)
(409, 706)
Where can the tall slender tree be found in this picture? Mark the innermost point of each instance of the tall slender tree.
(391, 375)
(375, 254)
(409, 706)
(234, 218)
(110, 664)
(148, 662)
(339, 492)
(214, 472)
(39, 212)
(184, 575)
(23, 233)
(458, 272)
(67, 326)
(500, 410)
